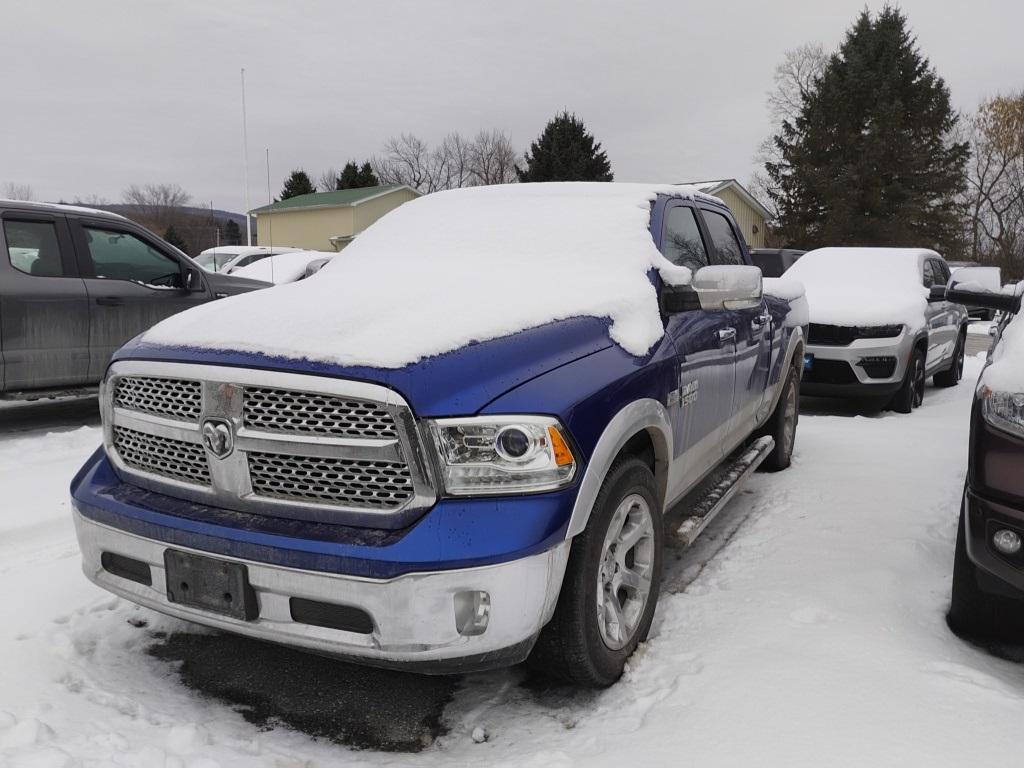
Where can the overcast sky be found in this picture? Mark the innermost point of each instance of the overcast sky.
(99, 95)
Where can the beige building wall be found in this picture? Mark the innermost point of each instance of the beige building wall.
(313, 228)
(310, 229)
(371, 210)
(746, 217)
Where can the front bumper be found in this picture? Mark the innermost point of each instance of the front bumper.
(844, 374)
(1001, 574)
(413, 616)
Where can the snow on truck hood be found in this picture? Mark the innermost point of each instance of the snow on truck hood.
(457, 267)
(864, 286)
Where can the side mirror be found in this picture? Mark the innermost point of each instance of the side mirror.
(937, 293)
(728, 287)
(191, 280)
(715, 288)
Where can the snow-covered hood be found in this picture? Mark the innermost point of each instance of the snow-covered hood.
(864, 286)
(458, 267)
(456, 383)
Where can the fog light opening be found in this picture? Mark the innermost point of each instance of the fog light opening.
(1006, 542)
(472, 612)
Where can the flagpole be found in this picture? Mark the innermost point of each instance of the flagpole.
(245, 164)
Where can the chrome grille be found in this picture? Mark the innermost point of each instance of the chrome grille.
(302, 446)
(174, 398)
(281, 410)
(162, 456)
(351, 482)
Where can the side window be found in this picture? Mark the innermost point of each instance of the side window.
(929, 274)
(727, 247)
(33, 248)
(682, 243)
(942, 274)
(122, 256)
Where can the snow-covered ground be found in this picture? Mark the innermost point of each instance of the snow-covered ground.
(808, 629)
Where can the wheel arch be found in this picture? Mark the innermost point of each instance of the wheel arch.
(641, 428)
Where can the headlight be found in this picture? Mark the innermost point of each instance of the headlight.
(502, 454)
(1003, 410)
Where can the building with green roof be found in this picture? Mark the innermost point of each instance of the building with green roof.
(326, 221)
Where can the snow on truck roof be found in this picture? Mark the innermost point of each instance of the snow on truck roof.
(455, 267)
(864, 286)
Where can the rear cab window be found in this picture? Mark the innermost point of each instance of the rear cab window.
(33, 247)
(727, 249)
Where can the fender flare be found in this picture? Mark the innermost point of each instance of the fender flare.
(796, 341)
(640, 415)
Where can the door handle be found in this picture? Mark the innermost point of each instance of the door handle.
(110, 301)
(760, 321)
(727, 334)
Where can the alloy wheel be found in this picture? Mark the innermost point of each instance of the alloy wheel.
(625, 571)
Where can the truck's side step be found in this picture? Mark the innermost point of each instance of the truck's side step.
(713, 496)
(50, 394)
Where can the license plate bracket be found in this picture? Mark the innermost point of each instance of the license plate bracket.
(210, 584)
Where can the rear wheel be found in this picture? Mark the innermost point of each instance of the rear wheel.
(952, 375)
(611, 583)
(782, 424)
(911, 392)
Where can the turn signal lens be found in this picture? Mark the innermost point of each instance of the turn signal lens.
(563, 456)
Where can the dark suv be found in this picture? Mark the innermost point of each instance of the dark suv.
(76, 284)
(988, 567)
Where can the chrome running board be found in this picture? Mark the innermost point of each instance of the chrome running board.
(727, 481)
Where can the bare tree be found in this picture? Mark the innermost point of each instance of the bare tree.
(14, 191)
(406, 160)
(995, 184)
(488, 158)
(795, 79)
(160, 203)
(328, 180)
(493, 159)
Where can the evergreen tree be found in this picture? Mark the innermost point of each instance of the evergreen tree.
(232, 233)
(171, 236)
(355, 177)
(297, 184)
(871, 158)
(566, 152)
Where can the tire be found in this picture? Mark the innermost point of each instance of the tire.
(581, 644)
(974, 613)
(781, 425)
(952, 375)
(911, 392)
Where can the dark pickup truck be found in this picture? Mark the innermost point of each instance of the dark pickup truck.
(76, 284)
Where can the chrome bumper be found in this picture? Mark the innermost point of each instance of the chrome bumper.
(414, 616)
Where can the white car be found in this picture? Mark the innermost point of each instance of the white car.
(879, 324)
(286, 267)
(228, 258)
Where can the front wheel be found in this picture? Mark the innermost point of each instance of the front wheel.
(974, 613)
(611, 583)
(952, 375)
(911, 392)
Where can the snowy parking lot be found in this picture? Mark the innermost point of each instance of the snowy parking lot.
(806, 628)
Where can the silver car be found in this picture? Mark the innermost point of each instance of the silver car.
(874, 355)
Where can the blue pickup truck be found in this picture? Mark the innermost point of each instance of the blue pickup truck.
(461, 445)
